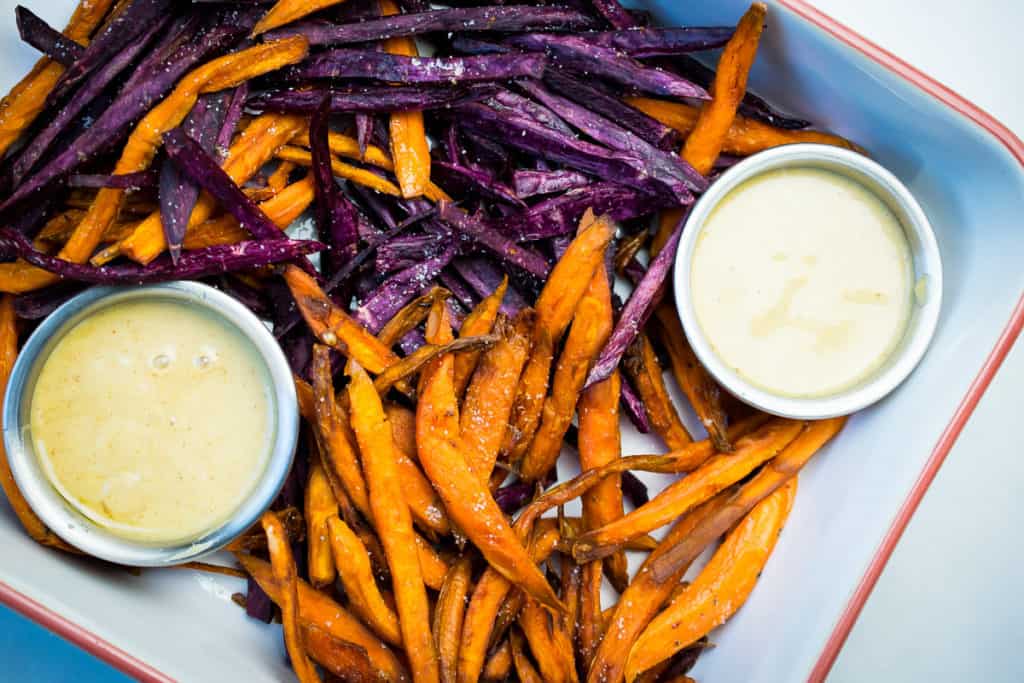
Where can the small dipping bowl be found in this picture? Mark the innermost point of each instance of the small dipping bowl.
(927, 269)
(60, 515)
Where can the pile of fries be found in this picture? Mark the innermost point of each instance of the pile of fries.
(413, 540)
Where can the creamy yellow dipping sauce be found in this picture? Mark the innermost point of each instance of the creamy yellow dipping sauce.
(153, 418)
(802, 281)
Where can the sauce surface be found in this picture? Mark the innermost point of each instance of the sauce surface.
(153, 418)
(802, 281)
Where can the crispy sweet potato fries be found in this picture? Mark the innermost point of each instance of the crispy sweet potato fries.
(441, 355)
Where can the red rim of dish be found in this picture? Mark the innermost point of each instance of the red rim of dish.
(142, 671)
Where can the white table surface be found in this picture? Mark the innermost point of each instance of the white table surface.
(947, 606)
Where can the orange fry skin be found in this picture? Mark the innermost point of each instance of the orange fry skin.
(320, 505)
(555, 664)
(720, 589)
(642, 366)
(449, 615)
(344, 660)
(524, 667)
(468, 500)
(393, 522)
(356, 574)
(499, 664)
(282, 566)
(333, 327)
(319, 610)
(487, 405)
(286, 11)
(718, 473)
(479, 321)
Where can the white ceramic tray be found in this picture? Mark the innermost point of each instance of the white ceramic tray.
(855, 498)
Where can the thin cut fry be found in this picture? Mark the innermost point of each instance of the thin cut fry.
(499, 664)
(251, 150)
(356, 574)
(28, 97)
(644, 597)
(720, 589)
(348, 147)
(285, 575)
(409, 148)
(524, 668)
(744, 137)
(303, 157)
(700, 388)
(449, 614)
(278, 180)
(408, 317)
(333, 327)
(488, 401)
(319, 610)
(773, 475)
(591, 327)
(286, 11)
(393, 522)
(422, 356)
(644, 370)
(479, 321)
(488, 595)
(320, 505)
(555, 663)
(470, 504)
(433, 566)
(715, 475)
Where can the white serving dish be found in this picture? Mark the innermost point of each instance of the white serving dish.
(855, 498)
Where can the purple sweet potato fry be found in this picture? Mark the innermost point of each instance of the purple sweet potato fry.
(371, 99)
(492, 239)
(336, 217)
(483, 276)
(398, 290)
(45, 38)
(473, 181)
(634, 489)
(659, 42)
(634, 408)
(614, 13)
(530, 183)
(127, 181)
(383, 66)
(232, 115)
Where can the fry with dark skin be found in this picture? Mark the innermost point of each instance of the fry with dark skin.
(554, 661)
(488, 595)
(408, 317)
(591, 327)
(320, 505)
(488, 399)
(716, 474)
(346, 661)
(645, 373)
(480, 321)
(409, 148)
(415, 361)
(356, 574)
(333, 327)
(720, 589)
(449, 614)
(319, 610)
(469, 502)
(282, 566)
(393, 522)
(555, 308)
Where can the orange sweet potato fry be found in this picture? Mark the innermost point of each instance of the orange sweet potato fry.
(393, 522)
(408, 317)
(720, 589)
(479, 321)
(591, 327)
(20, 107)
(499, 664)
(320, 505)
(745, 136)
(333, 327)
(488, 596)
(487, 405)
(356, 574)
(554, 661)
(716, 474)
(449, 615)
(278, 180)
(644, 370)
(319, 610)
(342, 659)
(590, 628)
(434, 567)
(304, 157)
(403, 428)
(773, 475)
(282, 566)
(524, 667)
(424, 355)
(467, 499)
(704, 143)
(248, 153)
(426, 507)
(286, 11)
(700, 388)
(555, 308)
(644, 597)
(348, 147)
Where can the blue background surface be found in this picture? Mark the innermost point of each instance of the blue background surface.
(28, 652)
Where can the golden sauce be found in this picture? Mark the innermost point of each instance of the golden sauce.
(153, 418)
(802, 281)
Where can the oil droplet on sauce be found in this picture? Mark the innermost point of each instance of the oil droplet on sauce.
(154, 419)
(802, 281)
